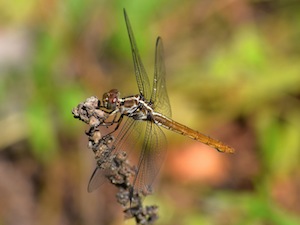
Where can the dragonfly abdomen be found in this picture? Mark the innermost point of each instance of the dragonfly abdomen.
(186, 131)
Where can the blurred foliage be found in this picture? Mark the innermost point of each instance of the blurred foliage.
(234, 64)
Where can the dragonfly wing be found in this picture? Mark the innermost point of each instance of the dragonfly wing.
(159, 96)
(151, 158)
(99, 175)
(97, 179)
(148, 137)
(129, 136)
(140, 72)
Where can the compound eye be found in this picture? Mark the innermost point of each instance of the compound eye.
(110, 99)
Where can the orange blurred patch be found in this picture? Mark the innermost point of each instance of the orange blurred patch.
(197, 163)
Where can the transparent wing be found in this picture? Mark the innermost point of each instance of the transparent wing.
(148, 137)
(97, 179)
(99, 175)
(159, 96)
(151, 158)
(129, 137)
(140, 72)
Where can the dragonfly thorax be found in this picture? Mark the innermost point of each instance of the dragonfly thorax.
(135, 107)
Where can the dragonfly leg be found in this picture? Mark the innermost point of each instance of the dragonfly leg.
(118, 124)
(107, 124)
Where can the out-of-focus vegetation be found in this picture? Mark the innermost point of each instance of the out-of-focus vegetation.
(233, 72)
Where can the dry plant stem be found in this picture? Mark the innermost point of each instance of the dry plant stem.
(115, 163)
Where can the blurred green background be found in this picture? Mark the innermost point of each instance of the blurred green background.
(233, 72)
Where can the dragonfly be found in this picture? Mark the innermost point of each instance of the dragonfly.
(145, 114)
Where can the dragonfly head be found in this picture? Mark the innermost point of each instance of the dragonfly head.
(110, 99)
